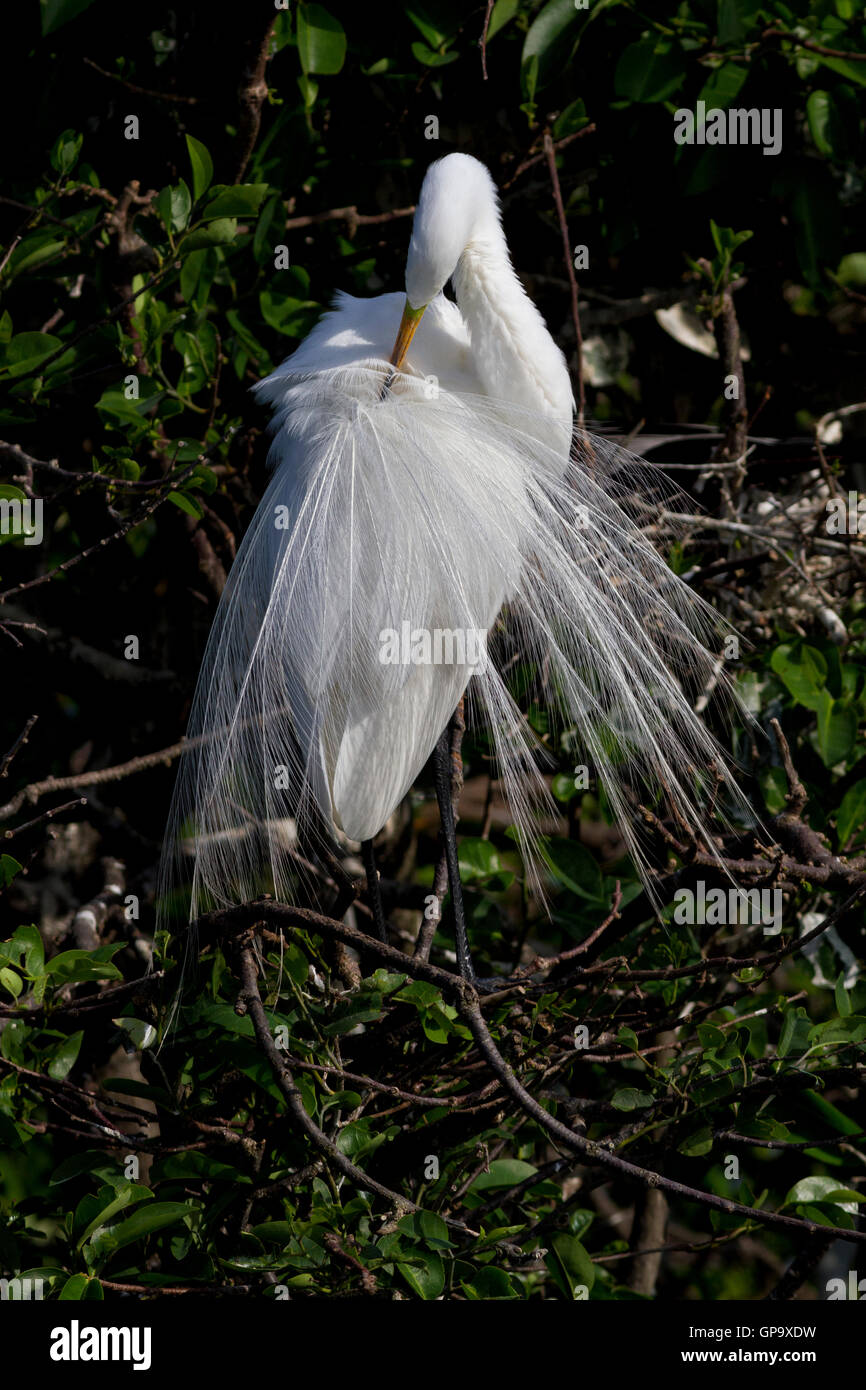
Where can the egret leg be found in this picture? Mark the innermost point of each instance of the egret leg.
(374, 890)
(442, 765)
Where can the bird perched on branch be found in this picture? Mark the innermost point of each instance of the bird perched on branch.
(424, 481)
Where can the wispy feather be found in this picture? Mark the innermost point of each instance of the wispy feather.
(440, 509)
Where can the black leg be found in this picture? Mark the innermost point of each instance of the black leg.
(442, 764)
(374, 890)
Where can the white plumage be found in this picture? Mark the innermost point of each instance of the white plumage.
(430, 502)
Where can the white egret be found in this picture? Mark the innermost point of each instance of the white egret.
(442, 495)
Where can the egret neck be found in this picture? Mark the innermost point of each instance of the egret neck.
(512, 350)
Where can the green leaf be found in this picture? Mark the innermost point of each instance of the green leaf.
(853, 71)
(570, 1264)
(529, 82)
(723, 85)
(34, 250)
(359, 1137)
(186, 503)
(343, 1025)
(346, 1100)
(109, 1201)
(218, 233)
(504, 1172)
(140, 1034)
(549, 42)
(201, 165)
(477, 858)
(26, 350)
(238, 200)
(309, 90)
(66, 150)
(575, 867)
(426, 1275)
(826, 125)
(802, 670)
(698, 1143)
(29, 942)
(294, 317)
(64, 1057)
(173, 205)
(78, 966)
(196, 1166)
(425, 1226)
(573, 118)
(630, 1098)
(321, 41)
(435, 21)
(11, 982)
(837, 729)
(852, 269)
(490, 1283)
(421, 993)
(851, 815)
(710, 1036)
(774, 786)
(842, 997)
(795, 1032)
(384, 981)
(81, 1286)
(502, 13)
(831, 1114)
(9, 867)
(57, 12)
(77, 1164)
(650, 70)
(823, 1188)
(848, 1030)
(729, 21)
(816, 218)
(152, 1217)
(430, 57)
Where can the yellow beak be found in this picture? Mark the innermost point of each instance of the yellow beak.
(405, 333)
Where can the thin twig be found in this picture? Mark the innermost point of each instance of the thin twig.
(550, 155)
(348, 214)
(482, 42)
(140, 91)
(246, 917)
(294, 1100)
(91, 779)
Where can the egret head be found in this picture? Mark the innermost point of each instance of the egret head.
(457, 205)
